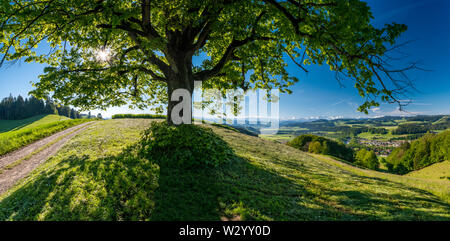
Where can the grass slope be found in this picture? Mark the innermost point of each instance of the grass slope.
(11, 125)
(43, 126)
(438, 188)
(94, 178)
(47, 119)
(437, 171)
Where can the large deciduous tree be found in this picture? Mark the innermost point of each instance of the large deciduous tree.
(108, 53)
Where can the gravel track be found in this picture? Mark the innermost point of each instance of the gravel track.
(9, 176)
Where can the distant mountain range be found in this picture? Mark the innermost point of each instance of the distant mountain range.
(430, 118)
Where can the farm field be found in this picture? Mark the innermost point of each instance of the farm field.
(99, 176)
(345, 129)
(282, 138)
(381, 137)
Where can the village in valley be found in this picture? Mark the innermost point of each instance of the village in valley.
(382, 134)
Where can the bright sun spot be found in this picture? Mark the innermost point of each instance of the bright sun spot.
(103, 54)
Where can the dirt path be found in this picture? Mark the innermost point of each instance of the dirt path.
(9, 176)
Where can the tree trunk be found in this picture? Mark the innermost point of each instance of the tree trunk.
(180, 74)
(172, 85)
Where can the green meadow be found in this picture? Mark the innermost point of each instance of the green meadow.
(438, 171)
(101, 175)
(12, 125)
(20, 133)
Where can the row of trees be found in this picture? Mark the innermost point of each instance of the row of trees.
(331, 127)
(321, 145)
(416, 128)
(15, 108)
(410, 128)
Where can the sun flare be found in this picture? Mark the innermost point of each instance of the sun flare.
(103, 54)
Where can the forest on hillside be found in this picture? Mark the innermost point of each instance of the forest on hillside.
(427, 150)
(16, 108)
(410, 156)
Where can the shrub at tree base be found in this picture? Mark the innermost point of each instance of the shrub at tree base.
(187, 146)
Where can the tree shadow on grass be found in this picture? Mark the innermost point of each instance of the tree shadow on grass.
(187, 195)
(128, 187)
(235, 191)
(241, 190)
(360, 179)
(117, 187)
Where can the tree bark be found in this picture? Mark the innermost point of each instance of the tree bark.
(172, 85)
(179, 76)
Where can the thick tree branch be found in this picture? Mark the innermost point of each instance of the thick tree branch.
(228, 54)
(152, 58)
(145, 5)
(226, 57)
(202, 37)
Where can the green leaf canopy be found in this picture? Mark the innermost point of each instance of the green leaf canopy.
(109, 53)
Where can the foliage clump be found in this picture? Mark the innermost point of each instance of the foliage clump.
(188, 146)
(321, 145)
(367, 159)
(122, 52)
(430, 149)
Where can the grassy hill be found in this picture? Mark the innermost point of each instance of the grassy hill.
(94, 178)
(12, 125)
(23, 132)
(47, 119)
(437, 171)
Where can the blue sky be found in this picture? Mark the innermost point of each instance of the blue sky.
(318, 94)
